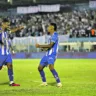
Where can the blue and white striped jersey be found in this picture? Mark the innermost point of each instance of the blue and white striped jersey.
(54, 49)
(5, 47)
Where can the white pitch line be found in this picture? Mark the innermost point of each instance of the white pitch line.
(37, 81)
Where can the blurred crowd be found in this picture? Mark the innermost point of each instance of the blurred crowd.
(77, 23)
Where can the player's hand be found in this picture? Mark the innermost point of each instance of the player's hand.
(44, 49)
(37, 46)
(13, 52)
(21, 27)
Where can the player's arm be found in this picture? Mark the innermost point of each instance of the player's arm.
(45, 46)
(16, 29)
(44, 49)
(54, 38)
(11, 48)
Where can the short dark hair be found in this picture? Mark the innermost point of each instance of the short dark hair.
(55, 26)
(5, 20)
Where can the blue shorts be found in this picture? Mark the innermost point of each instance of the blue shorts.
(47, 60)
(5, 59)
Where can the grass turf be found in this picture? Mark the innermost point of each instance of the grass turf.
(78, 77)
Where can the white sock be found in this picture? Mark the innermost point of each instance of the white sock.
(11, 82)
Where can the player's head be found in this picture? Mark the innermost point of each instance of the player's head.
(52, 28)
(5, 23)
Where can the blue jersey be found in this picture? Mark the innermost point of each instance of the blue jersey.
(5, 47)
(54, 49)
(52, 52)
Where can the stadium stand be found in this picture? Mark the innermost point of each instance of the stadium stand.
(77, 24)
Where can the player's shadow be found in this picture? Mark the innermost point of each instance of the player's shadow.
(4, 83)
(52, 84)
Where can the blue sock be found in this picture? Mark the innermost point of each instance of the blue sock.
(10, 74)
(42, 75)
(55, 75)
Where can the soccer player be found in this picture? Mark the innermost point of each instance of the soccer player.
(5, 55)
(50, 57)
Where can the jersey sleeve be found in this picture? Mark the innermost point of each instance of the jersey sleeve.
(54, 38)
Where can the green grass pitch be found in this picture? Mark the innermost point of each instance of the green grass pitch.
(78, 77)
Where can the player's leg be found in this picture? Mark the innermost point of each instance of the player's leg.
(51, 61)
(55, 74)
(10, 71)
(0, 67)
(41, 71)
(42, 74)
